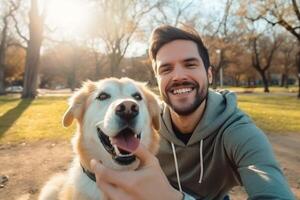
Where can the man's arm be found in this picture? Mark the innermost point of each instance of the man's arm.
(251, 153)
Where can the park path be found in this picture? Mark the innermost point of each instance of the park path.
(28, 166)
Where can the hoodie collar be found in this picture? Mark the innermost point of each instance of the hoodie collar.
(219, 106)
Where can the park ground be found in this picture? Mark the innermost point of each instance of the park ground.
(34, 146)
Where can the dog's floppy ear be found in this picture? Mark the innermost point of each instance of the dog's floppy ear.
(68, 117)
(153, 106)
(78, 102)
(74, 111)
(155, 112)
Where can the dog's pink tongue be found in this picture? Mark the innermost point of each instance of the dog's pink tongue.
(126, 142)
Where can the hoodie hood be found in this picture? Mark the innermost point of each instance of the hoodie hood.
(226, 149)
(219, 107)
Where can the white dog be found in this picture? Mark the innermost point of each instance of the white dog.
(112, 115)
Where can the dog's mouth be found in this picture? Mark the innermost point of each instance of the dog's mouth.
(121, 146)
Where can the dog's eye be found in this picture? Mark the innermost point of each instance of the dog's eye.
(102, 96)
(137, 96)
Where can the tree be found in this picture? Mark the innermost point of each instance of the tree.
(12, 7)
(119, 22)
(286, 14)
(98, 57)
(286, 59)
(220, 45)
(14, 65)
(34, 42)
(263, 51)
(175, 13)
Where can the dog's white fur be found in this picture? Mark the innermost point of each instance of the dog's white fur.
(91, 113)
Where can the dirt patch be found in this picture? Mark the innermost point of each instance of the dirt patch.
(28, 166)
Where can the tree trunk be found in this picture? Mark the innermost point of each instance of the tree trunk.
(31, 70)
(298, 64)
(299, 80)
(71, 81)
(33, 52)
(282, 79)
(114, 65)
(237, 80)
(215, 71)
(97, 71)
(2, 55)
(286, 81)
(265, 82)
(2, 85)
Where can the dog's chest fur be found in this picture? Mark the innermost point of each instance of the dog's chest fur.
(86, 187)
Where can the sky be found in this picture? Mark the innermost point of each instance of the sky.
(69, 19)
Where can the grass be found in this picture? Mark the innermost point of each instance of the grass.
(274, 114)
(25, 120)
(273, 89)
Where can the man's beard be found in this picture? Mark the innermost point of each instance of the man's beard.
(201, 95)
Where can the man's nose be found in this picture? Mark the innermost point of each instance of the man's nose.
(179, 72)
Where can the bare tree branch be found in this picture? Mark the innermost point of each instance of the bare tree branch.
(289, 28)
(280, 21)
(19, 31)
(296, 9)
(224, 20)
(180, 11)
(16, 44)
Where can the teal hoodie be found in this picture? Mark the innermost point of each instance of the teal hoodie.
(226, 149)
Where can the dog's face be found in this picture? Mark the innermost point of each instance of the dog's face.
(114, 116)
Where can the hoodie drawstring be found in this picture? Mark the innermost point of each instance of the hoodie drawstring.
(176, 167)
(176, 164)
(201, 162)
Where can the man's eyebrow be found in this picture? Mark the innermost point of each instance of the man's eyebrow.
(164, 65)
(193, 59)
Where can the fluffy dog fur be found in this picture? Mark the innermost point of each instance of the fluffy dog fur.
(90, 113)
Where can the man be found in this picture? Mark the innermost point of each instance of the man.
(207, 144)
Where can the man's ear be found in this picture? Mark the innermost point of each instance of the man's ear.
(209, 75)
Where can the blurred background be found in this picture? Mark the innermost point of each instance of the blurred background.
(49, 47)
(54, 44)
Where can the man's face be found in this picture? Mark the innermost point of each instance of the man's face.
(181, 76)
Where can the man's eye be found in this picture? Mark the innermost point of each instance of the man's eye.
(164, 71)
(103, 96)
(190, 65)
(137, 96)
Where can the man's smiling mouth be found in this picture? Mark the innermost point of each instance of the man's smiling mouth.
(120, 145)
(182, 90)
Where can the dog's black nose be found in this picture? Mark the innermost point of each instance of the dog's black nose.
(127, 110)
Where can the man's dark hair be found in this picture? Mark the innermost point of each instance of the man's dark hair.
(166, 33)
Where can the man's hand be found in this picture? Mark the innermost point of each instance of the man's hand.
(146, 183)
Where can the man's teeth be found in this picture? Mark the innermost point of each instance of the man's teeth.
(182, 90)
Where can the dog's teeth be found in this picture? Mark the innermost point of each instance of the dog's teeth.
(117, 150)
(127, 155)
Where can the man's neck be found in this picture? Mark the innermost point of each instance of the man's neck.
(187, 124)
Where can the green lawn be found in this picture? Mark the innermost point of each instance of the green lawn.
(32, 120)
(24, 120)
(273, 89)
(274, 114)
